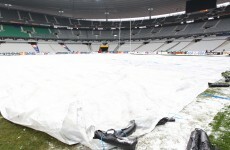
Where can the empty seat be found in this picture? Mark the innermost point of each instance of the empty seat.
(16, 48)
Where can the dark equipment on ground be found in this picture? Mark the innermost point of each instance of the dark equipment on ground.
(199, 141)
(119, 138)
(227, 79)
(226, 75)
(165, 120)
(218, 85)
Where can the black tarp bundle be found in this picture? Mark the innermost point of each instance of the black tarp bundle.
(218, 85)
(165, 120)
(226, 75)
(119, 138)
(199, 141)
(227, 79)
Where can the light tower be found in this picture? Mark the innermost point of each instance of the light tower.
(106, 15)
(60, 12)
(150, 12)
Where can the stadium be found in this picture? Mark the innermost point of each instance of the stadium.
(114, 74)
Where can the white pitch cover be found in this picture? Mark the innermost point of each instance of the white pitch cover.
(71, 96)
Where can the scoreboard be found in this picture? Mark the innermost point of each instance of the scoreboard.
(199, 5)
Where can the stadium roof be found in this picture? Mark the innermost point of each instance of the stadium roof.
(99, 9)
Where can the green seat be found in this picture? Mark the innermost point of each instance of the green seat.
(39, 30)
(13, 31)
(28, 28)
(45, 33)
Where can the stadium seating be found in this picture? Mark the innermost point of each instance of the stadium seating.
(38, 18)
(16, 48)
(204, 45)
(45, 48)
(172, 33)
(18, 31)
(151, 47)
(12, 31)
(181, 45)
(193, 28)
(223, 47)
(44, 33)
(167, 46)
(95, 47)
(28, 29)
(63, 21)
(9, 15)
(112, 47)
(222, 25)
(65, 34)
(24, 16)
(78, 47)
(127, 47)
(58, 48)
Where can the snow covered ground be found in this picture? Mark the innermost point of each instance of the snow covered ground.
(71, 96)
(197, 114)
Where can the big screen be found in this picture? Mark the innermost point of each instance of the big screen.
(198, 5)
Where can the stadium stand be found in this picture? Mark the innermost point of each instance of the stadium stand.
(204, 45)
(181, 45)
(224, 47)
(28, 29)
(129, 48)
(87, 30)
(25, 16)
(16, 48)
(38, 18)
(95, 47)
(76, 47)
(167, 46)
(43, 33)
(12, 31)
(51, 19)
(63, 21)
(57, 48)
(65, 34)
(222, 25)
(177, 33)
(112, 47)
(45, 48)
(151, 46)
(9, 15)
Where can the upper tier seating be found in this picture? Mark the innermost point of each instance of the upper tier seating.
(38, 18)
(8, 14)
(206, 27)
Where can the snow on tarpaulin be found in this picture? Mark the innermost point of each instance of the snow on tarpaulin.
(71, 96)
